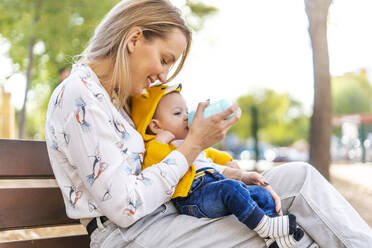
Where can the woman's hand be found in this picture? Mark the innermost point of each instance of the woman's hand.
(249, 177)
(208, 131)
(278, 202)
(205, 132)
(258, 179)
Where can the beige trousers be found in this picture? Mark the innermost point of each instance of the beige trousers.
(327, 218)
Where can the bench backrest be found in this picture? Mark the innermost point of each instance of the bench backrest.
(31, 207)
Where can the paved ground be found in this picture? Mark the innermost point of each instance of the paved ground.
(357, 174)
(354, 182)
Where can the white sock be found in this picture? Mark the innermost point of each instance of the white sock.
(275, 227)
(282, 242)
(269, 242)
(286, 241)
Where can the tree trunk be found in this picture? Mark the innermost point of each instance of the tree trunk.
(321, 127)
(30, 63)
(22, 113)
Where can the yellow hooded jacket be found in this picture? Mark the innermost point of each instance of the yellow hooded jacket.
(143, 108)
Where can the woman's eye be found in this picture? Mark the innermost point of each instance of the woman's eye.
(177, 113)
(163, 62)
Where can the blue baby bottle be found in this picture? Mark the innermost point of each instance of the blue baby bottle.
(213, 108)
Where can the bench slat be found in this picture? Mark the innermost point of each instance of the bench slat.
(32, 207)
(24, 158)
(79, 241)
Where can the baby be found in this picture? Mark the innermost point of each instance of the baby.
(160, 116)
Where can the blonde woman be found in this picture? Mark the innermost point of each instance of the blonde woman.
(96, 152)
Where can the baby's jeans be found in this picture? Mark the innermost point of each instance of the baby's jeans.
(212, 195)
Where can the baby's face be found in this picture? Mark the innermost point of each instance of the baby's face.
(172, 115)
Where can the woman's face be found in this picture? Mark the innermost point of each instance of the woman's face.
(150, 61)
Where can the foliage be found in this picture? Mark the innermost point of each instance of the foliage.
(53, 31)
(281, 119)
(198, 13)
(61, 30)
(351, 94)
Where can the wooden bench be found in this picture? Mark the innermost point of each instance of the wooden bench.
(31, 207)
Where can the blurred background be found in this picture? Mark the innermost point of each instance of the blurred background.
(301, 72)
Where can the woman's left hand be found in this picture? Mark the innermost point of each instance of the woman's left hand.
(249, 177)
(258, 179)
(278, 202)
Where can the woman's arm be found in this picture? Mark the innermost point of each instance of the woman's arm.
(103, 174)
(103, 167)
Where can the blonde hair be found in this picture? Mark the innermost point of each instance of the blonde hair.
(155, 17)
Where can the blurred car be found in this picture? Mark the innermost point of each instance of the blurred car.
(286, 154)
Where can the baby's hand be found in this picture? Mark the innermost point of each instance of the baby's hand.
(233, 164)
(165, 137)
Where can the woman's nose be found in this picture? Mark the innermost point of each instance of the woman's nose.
(162, 77)
(163, 73)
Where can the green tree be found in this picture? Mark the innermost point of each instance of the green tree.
(351, 94)
(43, 34)
(44, 37)
(198, 13)
(281, 119)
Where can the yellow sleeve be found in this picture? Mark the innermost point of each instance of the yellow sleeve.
(218, 157)
(155, 152)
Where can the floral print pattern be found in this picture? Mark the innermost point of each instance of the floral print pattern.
(96, 155)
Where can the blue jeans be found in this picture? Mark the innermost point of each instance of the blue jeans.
(212, 195)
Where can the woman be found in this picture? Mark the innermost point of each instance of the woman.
(96, 153)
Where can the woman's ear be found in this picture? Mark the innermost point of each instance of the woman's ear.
(155, 126)
(135, 34)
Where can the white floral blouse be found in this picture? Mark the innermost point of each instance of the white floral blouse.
(96, 155)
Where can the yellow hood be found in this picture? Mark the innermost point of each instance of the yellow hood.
(144, 106)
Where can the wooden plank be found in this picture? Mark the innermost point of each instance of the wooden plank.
(79, 241)
(28, 183)
(32, 207)
(24, 158)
